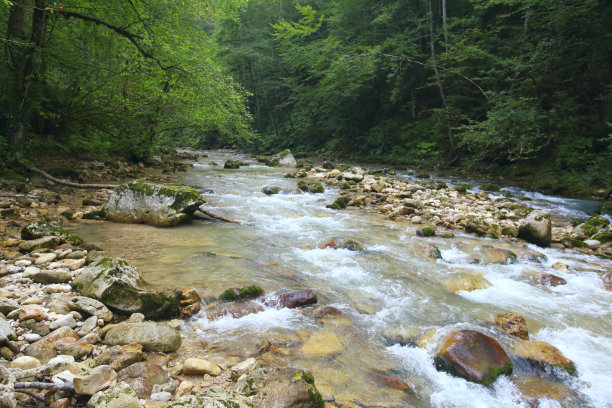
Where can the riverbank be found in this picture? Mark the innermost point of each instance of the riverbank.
(280, 348)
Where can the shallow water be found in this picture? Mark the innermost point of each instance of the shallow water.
(391, 285)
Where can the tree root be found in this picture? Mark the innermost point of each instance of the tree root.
(214, 216)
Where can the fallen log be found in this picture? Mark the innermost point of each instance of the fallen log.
(215, 216)
(69, 183)
(43, 386)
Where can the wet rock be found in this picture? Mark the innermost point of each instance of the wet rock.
(513, 324)
(426, 232)
(607, 280)
(281, 387)
(326, 311)
(549, 279)
(99, 378)
(527, 255)
(42, 228)
(402, 336)
(43, 349)
(231, 164)
(141, 377)
(153, 336)
(119, 286)
(310, 187)
(199, 366)
(341, 203)
(285, 159)
(190, 303)
(245, 367)
(90, 306)
(41, 243)
(322, 344)
(298, 298)
(498, 256)
(560, 266)
(238, 294)
(466, 283)
(270, 190)
(120, 357)
(473, 356)
(541, 355)
(431, 252)
(537, 391)
(236, 310)
(140, 201)
(7, 333)
(120, 395)
(391, 381)
(536, 229)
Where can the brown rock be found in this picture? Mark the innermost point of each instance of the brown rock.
(62, 343)
(119, 357)
(141, 377)
(512, 323)
(542, 354)
(391, 381)
(298, 298)
(549, 279)
(236, 310)
(98, 379)
(199, 366)
(32, 312)
(78, 350)
(185, 312)
(43, 349)
(473, 356)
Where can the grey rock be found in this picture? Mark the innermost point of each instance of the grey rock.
(120, 395)
(153, 336)
(216, 397)
(142, 377)
(140, 201)
(7, 305)
(42, 228)
(536, 229)
(7, 333)
(49, 276)
(119, 286)
(45, 242)
(88, 325)
(90, 306)
(63, 321)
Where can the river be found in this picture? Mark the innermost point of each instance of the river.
(391, 286)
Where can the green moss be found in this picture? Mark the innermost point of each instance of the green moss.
(345, 186)
(495, 372)
(489, 187)
(228, 295)
(598, 221)
(10, 213)
(571, 369)
(589, 230)
(341, 203)
(250, 292)
(462, 188)
(603, 237)
(67, 215)
(310, 187)
(289, 175)
(231, 164)
(570, 242)
(428, 231)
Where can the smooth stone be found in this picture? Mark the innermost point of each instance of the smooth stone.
(45, 258)
(99, 378)
(43, 349)
(245, 367)
(322, 344)
(153, 336)
(536, 228)
(298, 298)
(473, 356)
(90, 306)
(549, 279)
(32, 312)
(31, 337)
(24, 363)
(198, 366)
(88, 325)
(63, 321)
(50, 276)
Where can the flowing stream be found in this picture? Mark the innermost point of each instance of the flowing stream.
(391, 286)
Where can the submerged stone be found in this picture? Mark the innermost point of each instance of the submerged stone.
(163, 205)
(473, 356)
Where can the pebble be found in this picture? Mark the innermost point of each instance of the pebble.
(45, 258)
(161, 396)
(23, 262)
(32, 337)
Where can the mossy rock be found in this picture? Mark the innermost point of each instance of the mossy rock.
(607, 208)
(231, 164)
(310, 187)
(44, 228)
(238, 294)
(598, 221)
(144, 202)
(270, 190)
(347, 185)
(426, 232)
(341, 203)
(462, 188)
(489, 187)
(9, 213)
(603, 237)
(570, 242)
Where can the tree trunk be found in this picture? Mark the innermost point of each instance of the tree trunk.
(444, 22)
(437, 74)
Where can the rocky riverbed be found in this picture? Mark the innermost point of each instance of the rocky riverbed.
(129, 344)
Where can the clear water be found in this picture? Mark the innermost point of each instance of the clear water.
(392, 285)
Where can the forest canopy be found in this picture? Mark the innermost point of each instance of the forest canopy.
(472, 83)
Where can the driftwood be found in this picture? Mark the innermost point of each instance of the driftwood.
(214, 216)
(43, 386)
(69, 183)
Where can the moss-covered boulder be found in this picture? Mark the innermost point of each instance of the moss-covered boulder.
(283, 159)
(143, 202)
(120, 287)
(43, 228)
(310, 187)
(341, 203)
(536, 229)
(237, 294)
(473, 356)
(231, 164)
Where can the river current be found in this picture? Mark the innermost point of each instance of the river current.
(389, 287)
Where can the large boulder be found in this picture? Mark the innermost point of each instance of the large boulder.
(119, 286)
(151, 335)
(42, 228)
(473, 356)
(540, 354)
(285, 159)
(536, 229)
(117, 396)
(163, 205)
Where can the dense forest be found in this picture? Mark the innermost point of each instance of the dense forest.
(523, 87)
